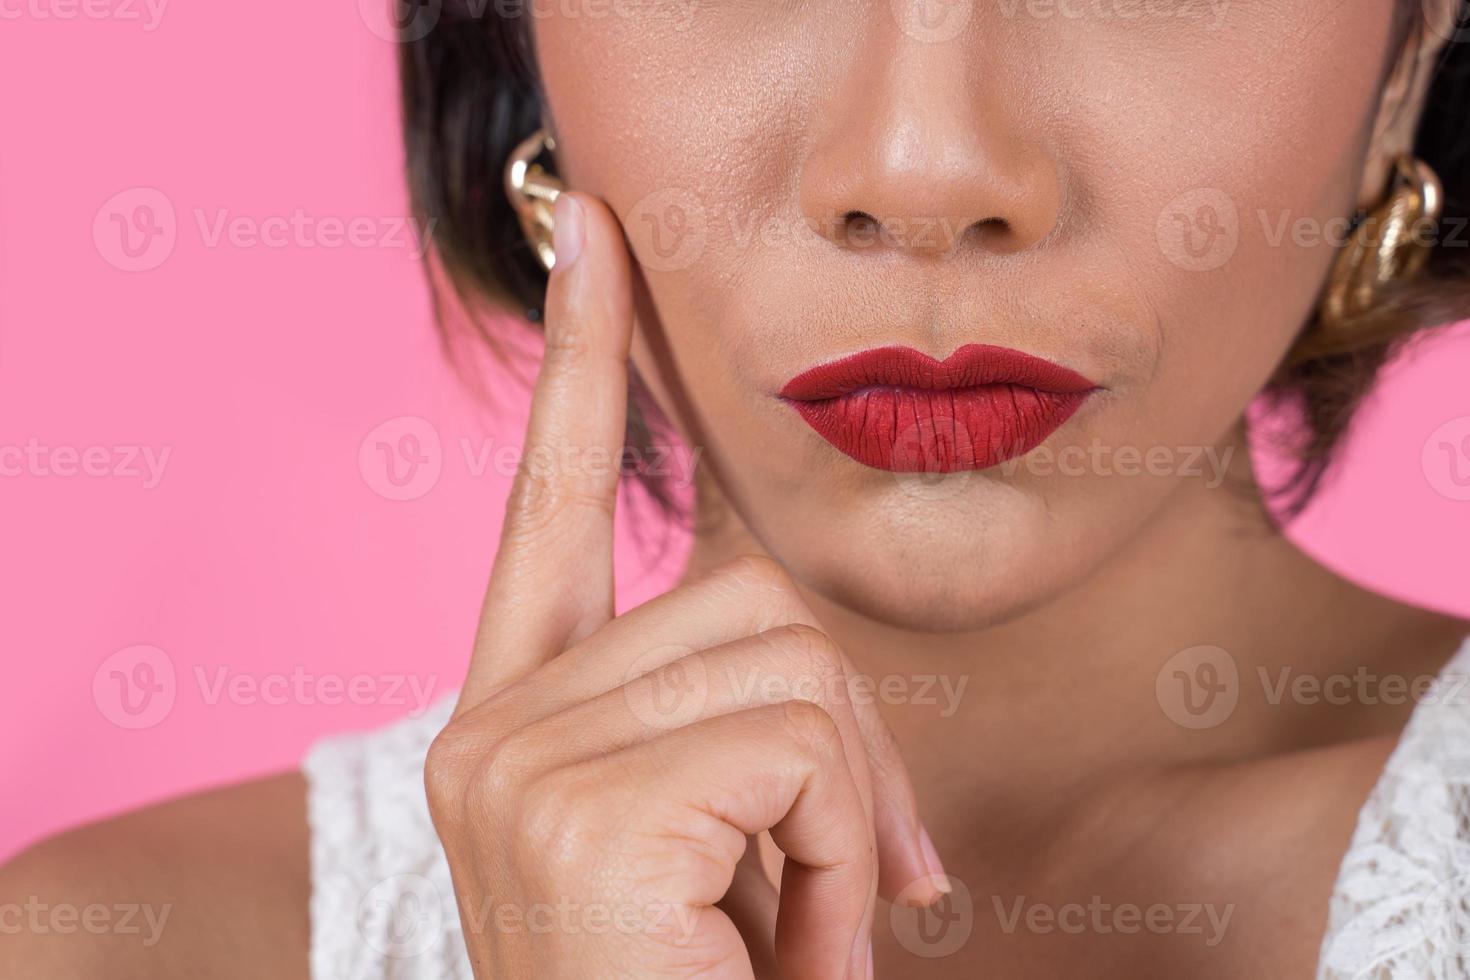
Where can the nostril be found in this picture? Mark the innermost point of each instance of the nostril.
(992, 235)
(942, 235)
(860, 229)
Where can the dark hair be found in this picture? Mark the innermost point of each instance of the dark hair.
(470, 93)
(1328, 387)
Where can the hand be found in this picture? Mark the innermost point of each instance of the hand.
(593, 830)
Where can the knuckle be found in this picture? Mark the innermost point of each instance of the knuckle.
(758, 571)
(812, 728)
(543, 493)
(502, 770)
(568, 342)
(812, 655)
(534, 500)
(447, 764)
(686, 862)
(557, 823)
(470, 771)
(885, 744)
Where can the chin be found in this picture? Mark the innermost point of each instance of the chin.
(947, 556)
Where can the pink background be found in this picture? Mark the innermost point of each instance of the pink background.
(270, 551)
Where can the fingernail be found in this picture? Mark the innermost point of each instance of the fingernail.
(870, 961)
(570, 231)
(931, 860)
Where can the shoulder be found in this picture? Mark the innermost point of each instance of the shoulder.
(1397, 910)
(216, 884)
(333, 871)
(382, 901)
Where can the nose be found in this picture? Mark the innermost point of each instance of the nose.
(917, 153)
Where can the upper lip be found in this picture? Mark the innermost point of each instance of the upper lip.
(970, 366)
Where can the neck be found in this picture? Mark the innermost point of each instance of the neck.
(1069, 694)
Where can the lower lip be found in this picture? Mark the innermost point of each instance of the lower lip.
(916, 430)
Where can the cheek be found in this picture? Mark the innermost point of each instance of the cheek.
(1196, 154)
(1201, 155)
(677, 123)
(1219, 173)
(1203, 148)
(669, 100)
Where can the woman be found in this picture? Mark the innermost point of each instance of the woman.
(963, 305)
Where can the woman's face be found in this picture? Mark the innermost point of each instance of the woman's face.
(1142, 191)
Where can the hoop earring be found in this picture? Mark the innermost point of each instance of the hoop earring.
(532, 192)
(1389, 246)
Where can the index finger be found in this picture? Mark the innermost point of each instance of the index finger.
(552, 581)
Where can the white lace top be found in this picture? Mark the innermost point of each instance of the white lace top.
(383, 907)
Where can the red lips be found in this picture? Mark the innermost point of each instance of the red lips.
(897, 409)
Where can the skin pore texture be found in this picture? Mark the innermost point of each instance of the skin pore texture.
(859, 178)
(1022, 195)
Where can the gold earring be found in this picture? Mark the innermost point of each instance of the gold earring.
(533, 191)
(1391, 245)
